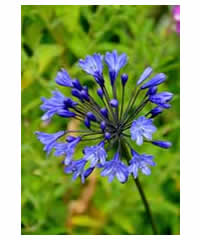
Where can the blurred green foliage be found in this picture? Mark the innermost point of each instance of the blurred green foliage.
(55, 37)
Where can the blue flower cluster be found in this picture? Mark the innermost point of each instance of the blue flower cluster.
(107, 124)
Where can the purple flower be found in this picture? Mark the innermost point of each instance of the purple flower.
(77, 168)
(58, 104)
(156, 80)
(176, 16)
(106, 122)
(49, 139)
(161, 99)
(63, 78)
(93, 66)
(95, 154)
(142, 127)
(140, 162)
(66, 149)
(116, 168)
(115, 62)
(147, 72)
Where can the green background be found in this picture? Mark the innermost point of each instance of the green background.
(55, 37)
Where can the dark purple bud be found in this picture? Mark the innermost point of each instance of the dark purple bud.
(85, 95)
(156, 80)
(113, 76)
(114, 103)
(76, 93)
(70, 138)
(103, 125)
(88, 172)
(69, 103)
(107, 135)
(152, 90)
(162, 144)
(104, 112)
(91, 116)
(124, 79)
(87, 122)
(155, 111)
(100, 92)
(76, 84)
(147, 72)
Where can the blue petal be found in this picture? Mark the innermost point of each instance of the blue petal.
(156, 80)
(63, 78)
(147, 72)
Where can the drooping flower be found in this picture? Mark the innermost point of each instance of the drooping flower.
(58, 104)
(142, 128)
(95, 154)
(106, 121)
(115, 168)
(115, 62)
(140, 162)
(66, 149)
(49, 139)
(77, 168)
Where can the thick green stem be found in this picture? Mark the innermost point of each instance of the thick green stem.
(127, 155)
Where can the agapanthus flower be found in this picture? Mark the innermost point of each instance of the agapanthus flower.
(115, 167)
(58, 104)
(109, 123)
(140, 161)
(66, 149)
(49, 139)
(176, 17)
(115, 63)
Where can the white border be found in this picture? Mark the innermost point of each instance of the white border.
(10, 118)
(99, 2)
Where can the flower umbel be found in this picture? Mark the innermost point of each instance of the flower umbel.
(109, 122)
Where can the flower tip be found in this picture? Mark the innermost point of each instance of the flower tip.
(44, 117)
(147, 72)
(114, 103)
(63, 78)
(100, 92)
(156, 80)
(124, 79)
(162, 144)
(107, 135)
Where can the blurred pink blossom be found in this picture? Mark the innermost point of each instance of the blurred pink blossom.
(176, 17)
